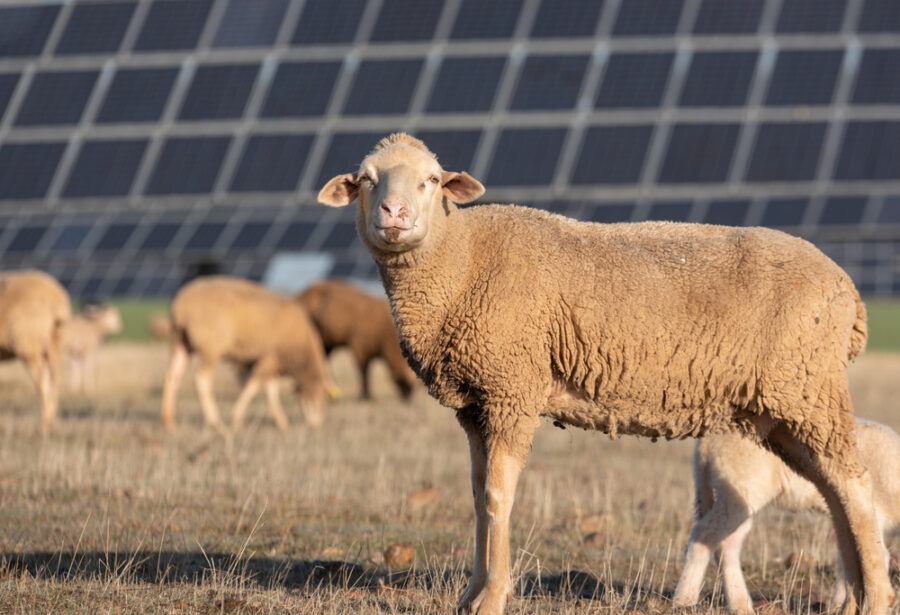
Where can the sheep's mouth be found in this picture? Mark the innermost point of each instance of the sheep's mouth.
(393, 233)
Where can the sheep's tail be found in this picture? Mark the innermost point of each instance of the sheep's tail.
(860, 330)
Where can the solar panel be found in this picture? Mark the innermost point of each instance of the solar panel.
(250, 236)
(115, 237)
(466, 85)
(8, 82)
(811, 16)
(876, 78)
(406, 20)
(879, 16)
(717, 17)
(718, 79)
(647, 17)
(56, 97)
(383, 87)
(204, 237)
(870, 150)
(674, 212)
(549, 82)
(526, 156)
(612, 213)
(328, 21)
(188, 165)
(271, 163)
(341, 236)
(805, 77)
(890, 210)
(786, 151)
(105, 168)
(26, 239)
(24, 29)
(699, 153)
(160, 236)
(730, 212)
(173, 24)
(566, 18)
(477, 19)
(250, 24)
(137, 95)
(634, 80)
(26, 169)
(296, 235)
(71, 237)
(843, 210)
(780, 213)
(301, 89)
(95, 28)
(219, 92)
(612, 154)
(455, 149)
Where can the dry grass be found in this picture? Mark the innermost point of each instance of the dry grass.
(110, 514)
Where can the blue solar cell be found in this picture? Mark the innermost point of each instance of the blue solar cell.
(301, 89)
(786, 151)
(717, 17)
(718, 79)
(26, 169)
(811, 16)
(56, 97)
(344, 154)
(188, 165)
(870, 150)
(173, 24)
(876, 79)
(843, 210)
(105, 168)
(297, 235)
(71, 237)
(805, 77)
(250, 236)
(272, 163)
(160, 236)
(95, 28)
(137, 95)
(465, 85)
(115, 237)
(383, 87)
(407, 20)
(674, 212)
(730, 213)
(219, 92)
(566, 18)
(549, 82)
(204, 237)
(8, 82)
(880, 16)
(612, 154)
(455, 149)
(250, 24)
(24, 29)
(342, 236)
(328, 21)
(482, 20)
(526, 156)
(699, 153)
(647, 17)
(634, 80)
(784, 212)
(611, 212)
(890, 210)
(26, 239)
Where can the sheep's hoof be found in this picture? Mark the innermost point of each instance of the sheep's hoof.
(489, 601)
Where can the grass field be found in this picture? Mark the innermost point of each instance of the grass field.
(110, 514)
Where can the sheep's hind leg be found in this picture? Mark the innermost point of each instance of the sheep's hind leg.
(251, 387)
(178, 362)
(40, 371)
(204, 382)
(849, 497)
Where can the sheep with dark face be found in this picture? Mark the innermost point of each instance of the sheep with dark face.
(664, 330)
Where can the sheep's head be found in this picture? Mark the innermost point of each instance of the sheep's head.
(401, 188)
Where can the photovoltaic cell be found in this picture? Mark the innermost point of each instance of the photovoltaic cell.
(105, 168)
(674, 212)
(526, 156)
(26, 239)
(805, 77)
(876, 79)
(699, 153)
(890, 210)
(160, 236)
(486, 20)
(407, 20)
(718, 79)
(204, 237)
(250, 236)
(301, 89)
(843, 210)
(811, 16)
(611, 212)
(272, 163)
(870, 150)
(455, 149)
(188, 165)
(612, 155)
(717, 17)
(8, 82)
(56, 97)
(297, 235)
(137, 95)
(730, 213)
(345, 153)
(647, 17)
(779, 213)
(566, 18)
(115, 237)
(786, 151)
(219, 92)
(328, 21)
(549, 82)
(24, 29)
(383, 87)
(250, 24)
(71, 237)
(173, 24)
(342, 236)
(95, 28)
(466, 85)
(880, 16)
(634, 80)
(26, 169)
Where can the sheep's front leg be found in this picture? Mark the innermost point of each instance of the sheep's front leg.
(251, 387)
(478, 455)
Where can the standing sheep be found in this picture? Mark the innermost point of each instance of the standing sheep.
(82, 337)
(265, 334)
(734, 479)
(346, 316)
(665, 330)
(33, 309)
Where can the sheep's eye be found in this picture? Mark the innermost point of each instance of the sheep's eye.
(366, 179)
(434, 179)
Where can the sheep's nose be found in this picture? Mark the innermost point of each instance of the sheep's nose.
(395, 209)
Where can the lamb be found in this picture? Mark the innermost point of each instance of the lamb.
(734, 479)
(344, 315)
(33, 309)
(82, 337)
(508, 314)
(265, 334)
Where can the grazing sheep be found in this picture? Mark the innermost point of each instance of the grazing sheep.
(159, 327)
(82, 337)
(658, 329)
(264, 333)
(734, 478)
(33, 309)
(346, 316)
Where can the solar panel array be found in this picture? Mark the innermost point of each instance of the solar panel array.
(143, 142)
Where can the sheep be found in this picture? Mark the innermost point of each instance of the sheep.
(657, 329)
(734, 479)
(346, 316)
(159, 327)
(265, 334)
(81, 339)
(33, 309)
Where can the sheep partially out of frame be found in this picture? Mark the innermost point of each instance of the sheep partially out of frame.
(266, 335)
(664, 330)
(734, 478)
(33, 309)
(82, 337)
(347, 316)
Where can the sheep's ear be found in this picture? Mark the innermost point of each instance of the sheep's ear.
(461, 187)
(339, 191)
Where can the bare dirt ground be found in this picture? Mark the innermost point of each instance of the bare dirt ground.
(110, 514)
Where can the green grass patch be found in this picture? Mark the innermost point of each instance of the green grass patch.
(884, 325)
(135, 316)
